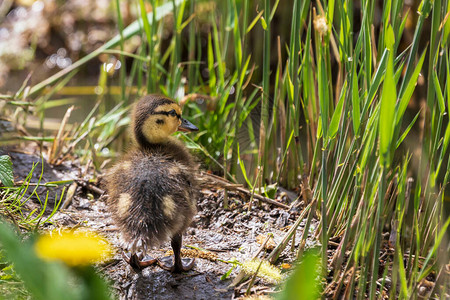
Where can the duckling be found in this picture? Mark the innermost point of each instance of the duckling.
(152, 189)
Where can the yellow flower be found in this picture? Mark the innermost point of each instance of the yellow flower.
(74, 249)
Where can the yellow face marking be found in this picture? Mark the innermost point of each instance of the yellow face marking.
(158, 127)
(123, 204)
(168, 206)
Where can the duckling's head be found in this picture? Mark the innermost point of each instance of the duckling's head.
(155, 118)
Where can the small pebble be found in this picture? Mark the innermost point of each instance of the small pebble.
(422, 291)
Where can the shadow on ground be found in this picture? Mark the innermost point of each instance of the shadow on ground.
(159, 284)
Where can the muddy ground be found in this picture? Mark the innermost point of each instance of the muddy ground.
(227, 235)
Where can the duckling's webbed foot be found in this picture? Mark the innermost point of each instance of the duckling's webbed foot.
(138, 264)
(184, 265)
(177, 265)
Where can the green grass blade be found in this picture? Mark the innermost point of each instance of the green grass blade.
(387, 108)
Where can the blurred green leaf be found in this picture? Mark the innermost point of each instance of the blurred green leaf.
(304, 282)
(49, 280)
(45, 281)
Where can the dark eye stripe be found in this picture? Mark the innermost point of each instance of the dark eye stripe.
(166, 113)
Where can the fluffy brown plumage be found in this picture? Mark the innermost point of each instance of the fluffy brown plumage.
(153, 189)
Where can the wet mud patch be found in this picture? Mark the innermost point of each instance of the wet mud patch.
(154, 283)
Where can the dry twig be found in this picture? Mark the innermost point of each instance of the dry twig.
(211, 180)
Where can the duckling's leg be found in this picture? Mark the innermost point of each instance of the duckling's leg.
(137, 264)
(177, 266)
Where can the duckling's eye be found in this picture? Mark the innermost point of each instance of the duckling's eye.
(173, 113)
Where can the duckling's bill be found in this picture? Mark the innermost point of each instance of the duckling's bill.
(187, 126)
